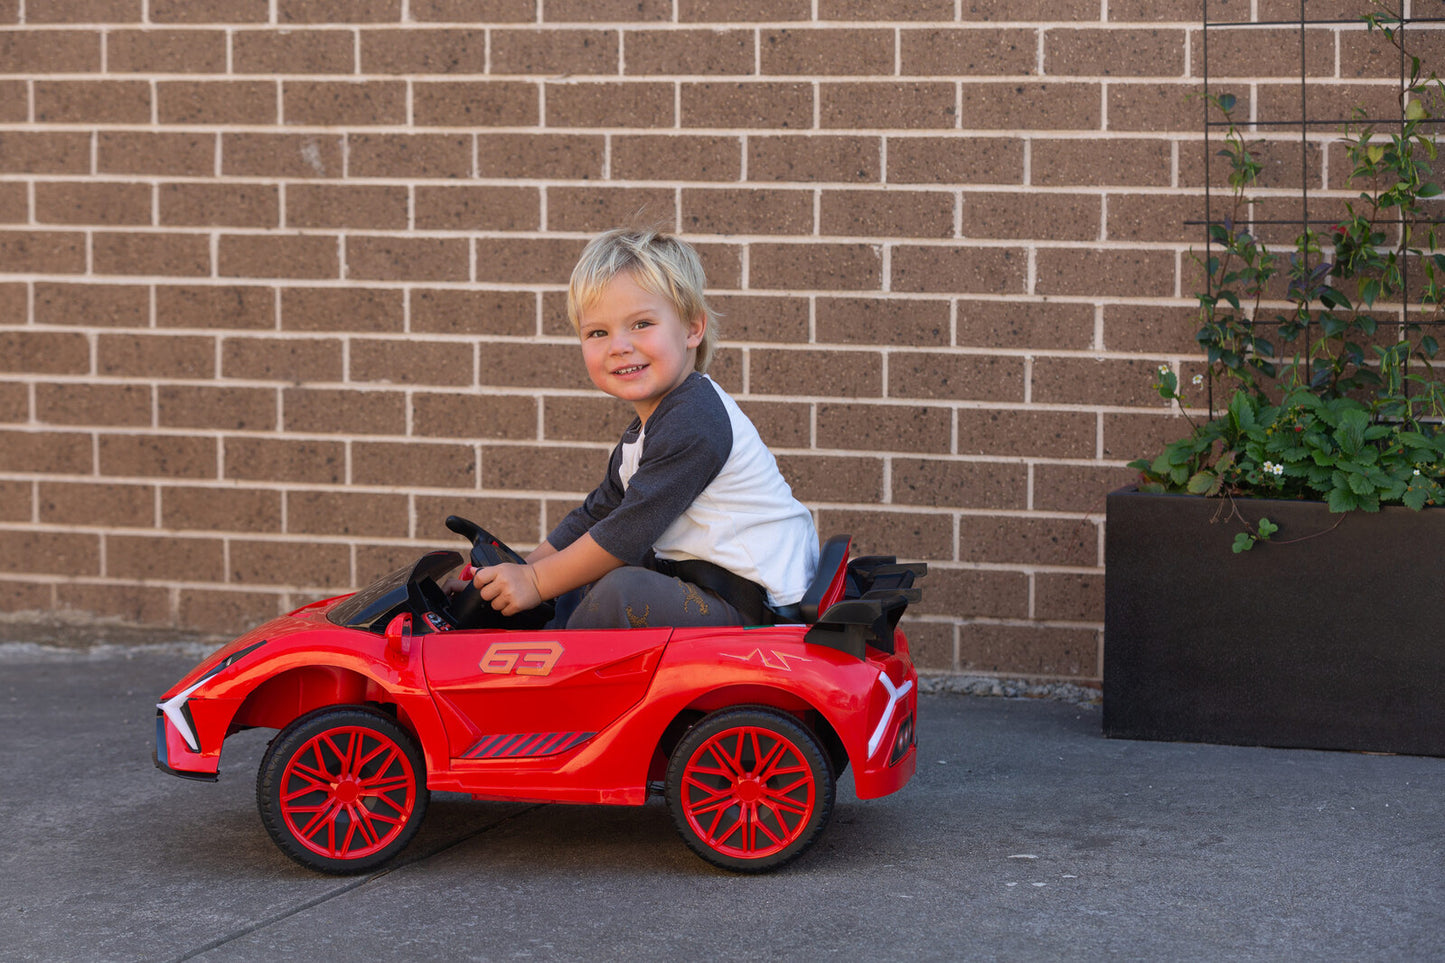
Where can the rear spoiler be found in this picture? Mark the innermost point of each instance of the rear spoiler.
(879, 589)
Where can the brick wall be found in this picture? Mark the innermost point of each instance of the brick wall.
(281, 281)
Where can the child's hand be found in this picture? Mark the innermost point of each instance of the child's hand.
(510, 588)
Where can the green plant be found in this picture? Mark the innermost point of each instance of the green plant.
(1326, 349)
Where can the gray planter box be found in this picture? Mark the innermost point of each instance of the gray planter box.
(1337, 642)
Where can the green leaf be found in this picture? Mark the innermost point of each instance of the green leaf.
(1243, 542)
(1266, 528)
(1415, 498)
(1201, 482)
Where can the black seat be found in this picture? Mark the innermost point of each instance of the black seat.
(832, 565)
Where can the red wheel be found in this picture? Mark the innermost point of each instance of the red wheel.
(342, 790)
(750, 789)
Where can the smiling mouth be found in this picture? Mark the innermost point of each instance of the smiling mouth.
(630, 369)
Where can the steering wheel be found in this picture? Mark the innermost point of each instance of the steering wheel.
(468, 608)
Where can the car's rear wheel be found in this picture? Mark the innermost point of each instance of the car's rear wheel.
(342, 790)
(750, 789)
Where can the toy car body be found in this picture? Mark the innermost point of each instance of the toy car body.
(380, 699)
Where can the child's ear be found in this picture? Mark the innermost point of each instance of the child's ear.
(695, 330)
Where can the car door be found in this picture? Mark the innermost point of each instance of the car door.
(524, 694)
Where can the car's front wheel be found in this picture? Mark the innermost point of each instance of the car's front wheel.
(342, 790)
(750, 789)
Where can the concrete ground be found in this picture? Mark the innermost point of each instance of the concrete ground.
(1025, 835)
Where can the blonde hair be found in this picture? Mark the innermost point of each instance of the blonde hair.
(661, 264)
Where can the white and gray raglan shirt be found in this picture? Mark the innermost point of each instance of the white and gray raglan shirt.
(697, 482)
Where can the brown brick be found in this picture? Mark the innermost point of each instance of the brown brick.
(1151, 328)
(548, 366)
(474, 11)
(348, 308)
(417, 464)
(49, 51)
(201, 406)
(14, 102)
(157, 456)
(676, 157)
(220, 509)
(1139, 11)
(338, 11)
(748, 105)
(847, 267)
(1077, 488)
(155, 356)
(517, 50)
(44, 352)
(887, 213)
(478, 208)
(845, 374)
(1154, 217)
(932, 645)
(513, 520)
(551, 156)
(410, 155)
(868, 10)
(139, 152)
(228, 204)
(1032, 106)
(955, 160)
(471, 312)
(14, 204)
(294, 360)
(45, 152)
(904, 105)
(1029, 541)
(595, 209)
(322, 411)
(419, 51)
(797, 157)
(910, 321)
(49, 553)
(347, 513)
(1093, 381)
(406, 258)
(350, 103)
(109, 203)
(83, 11)
(968, 52)
(883, 428)
(165, 51)
(1068, 596)
(281, 155)
(1008, 10)
(1257, 53)
(742, 11)
(42, 252)
(983, 270)
(412, 362)
(1027, 215)
(781, 424)
(285, 460)
(828, 478)
(216, 102)
(181, 255)
(89, 405)
(1281, 102)
(375, 207)
(464, 103)
(598, 419)
(130, 604)
(746, 210)
(469, 416)
(723, 263)
(1129, 436)
(223, 610)
(694, 52)
(1056, 162)
(46, 452)
(940, 483)
(210, 307)
(634, 104)
(1026, 432)
(826, 50)
(524, 261)
(278, 256)
(973, 593)
(110, 305)
(292, 564)
(293, 52)
(210, 11)
(552, 467)
(1155, 108)
(1025, 324)
(908, 535)
(1114, 53)
(92, 102)
(749, 317)
(1014, 650)
(954, 377)
(1071, 271)
(575, 11)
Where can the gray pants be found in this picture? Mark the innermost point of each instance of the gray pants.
(632, 597)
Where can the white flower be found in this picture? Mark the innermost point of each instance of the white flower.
(1417, 471)
(1197, 380)
(1270, 468)
(1163, 369)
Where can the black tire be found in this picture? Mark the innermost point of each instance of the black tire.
(750, 788)
(342, 790)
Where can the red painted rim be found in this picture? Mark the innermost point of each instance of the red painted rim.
(348, 792)
(748, 792)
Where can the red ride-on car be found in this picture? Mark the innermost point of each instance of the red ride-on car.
(387, 694)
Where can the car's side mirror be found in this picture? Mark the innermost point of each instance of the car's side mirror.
(398, 635)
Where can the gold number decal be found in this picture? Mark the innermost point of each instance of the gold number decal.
(521, 658)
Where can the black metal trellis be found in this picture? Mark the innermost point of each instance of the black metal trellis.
(1306, 124)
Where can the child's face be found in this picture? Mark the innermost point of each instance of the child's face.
(635, 346)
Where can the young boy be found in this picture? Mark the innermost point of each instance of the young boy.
(693, 524)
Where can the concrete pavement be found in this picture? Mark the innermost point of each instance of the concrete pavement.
(1024, 836)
